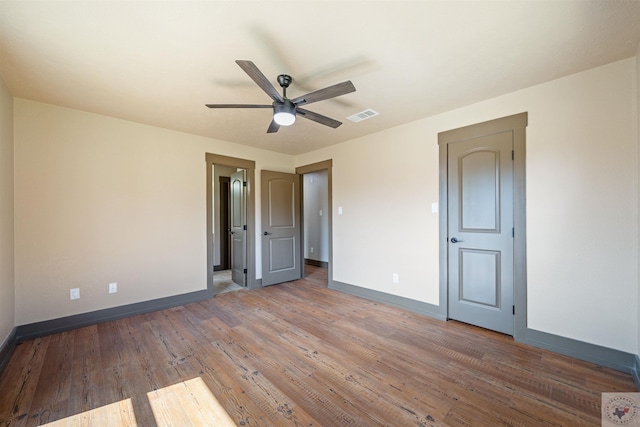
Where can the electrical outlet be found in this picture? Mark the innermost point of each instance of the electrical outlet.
(396, 278)
(113, 288)
(74, 293)
(311, 250)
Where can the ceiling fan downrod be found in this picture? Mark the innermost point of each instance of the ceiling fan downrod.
(284, 81)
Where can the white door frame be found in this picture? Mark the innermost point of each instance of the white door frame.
(517, 124)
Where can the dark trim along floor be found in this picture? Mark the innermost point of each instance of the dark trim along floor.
(47, 327)
(7, 348)
(616, 359)
(611, 358)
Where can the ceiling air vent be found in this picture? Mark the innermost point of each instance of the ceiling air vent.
(363, 115)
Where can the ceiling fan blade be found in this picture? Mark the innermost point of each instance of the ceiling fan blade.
(273, 127)
(238, 106)
(326, 93)
(257, 76)
(319, 118)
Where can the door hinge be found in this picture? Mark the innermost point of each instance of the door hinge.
(244, 183)
(513, 155)
(513, 232)
(514, 310)
(244, 227)
(245, 271)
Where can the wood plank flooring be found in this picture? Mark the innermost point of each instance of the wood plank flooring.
(296, 354)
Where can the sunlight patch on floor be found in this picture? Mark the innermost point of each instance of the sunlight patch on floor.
(188, 403)
(115, 414)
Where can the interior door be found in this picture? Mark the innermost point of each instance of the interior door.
(238, 228)
(280, 211)
(480, 231)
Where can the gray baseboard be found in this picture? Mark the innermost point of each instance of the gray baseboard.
(322, 264)
(603, 356)
(6, 349)
(615, 359)
(39, 329)
(394, 300)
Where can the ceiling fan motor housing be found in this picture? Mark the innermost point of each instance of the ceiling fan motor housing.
(284, 80)
(284, 113)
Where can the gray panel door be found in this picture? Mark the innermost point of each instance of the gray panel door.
(281, 227)
(238, 228)
(480, 196)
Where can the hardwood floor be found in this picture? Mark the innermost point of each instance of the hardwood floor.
(296, 354)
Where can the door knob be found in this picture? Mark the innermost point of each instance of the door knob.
(455, 240)
(266, 233)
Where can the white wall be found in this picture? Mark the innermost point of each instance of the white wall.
(316, 215)
(582, 204)
(100, 200)
(7, 290)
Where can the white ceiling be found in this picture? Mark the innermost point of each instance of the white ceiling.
(159, 62)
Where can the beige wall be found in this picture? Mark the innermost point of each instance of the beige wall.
(638, 142)
(100, 200)
(582, 204)
(7, 290)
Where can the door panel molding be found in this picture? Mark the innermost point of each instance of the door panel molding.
(467, 167)
(480, 265)
(517, 125)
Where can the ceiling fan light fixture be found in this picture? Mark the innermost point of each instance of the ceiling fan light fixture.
(285, 113)
(285, 110)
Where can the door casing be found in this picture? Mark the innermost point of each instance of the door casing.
(249, 166)
(517, 124)
(315, 167)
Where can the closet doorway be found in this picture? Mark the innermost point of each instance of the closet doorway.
(230, 243)
(316, 221)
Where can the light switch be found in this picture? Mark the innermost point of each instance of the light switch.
(434, 207)
(339, 210)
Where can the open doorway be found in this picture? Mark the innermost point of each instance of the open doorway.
(316, 219)
(230, 228)
(230, 224)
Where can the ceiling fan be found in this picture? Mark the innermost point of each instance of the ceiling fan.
(285, 110)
